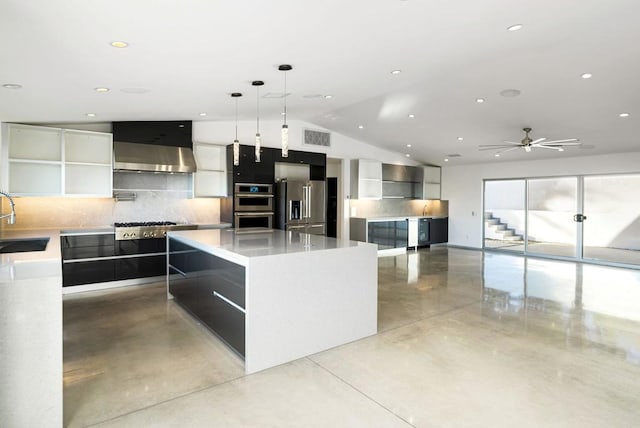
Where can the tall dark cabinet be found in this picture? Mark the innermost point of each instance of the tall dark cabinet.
(332, 207)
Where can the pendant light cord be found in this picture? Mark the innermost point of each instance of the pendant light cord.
(258, 110)
(285, 97)
(236, 118)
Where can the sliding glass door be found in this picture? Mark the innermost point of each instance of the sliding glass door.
(551, 206)
(577, 217)
(612, 228)
(504, 214)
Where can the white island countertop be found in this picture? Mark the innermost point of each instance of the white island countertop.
(301, 293)
(240, 246)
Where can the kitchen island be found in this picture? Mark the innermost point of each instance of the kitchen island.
(275, 296)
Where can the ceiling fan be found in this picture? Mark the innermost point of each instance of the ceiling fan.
(527, 144)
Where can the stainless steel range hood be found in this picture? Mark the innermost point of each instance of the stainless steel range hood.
(153, 158)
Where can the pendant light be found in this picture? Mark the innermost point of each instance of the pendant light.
(284, 134)
(257, 84)
(236, 143)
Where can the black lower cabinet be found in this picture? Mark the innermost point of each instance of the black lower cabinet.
(95, 258)
(140, 267)
(88, 272)
(388, 234)
(212, 289)
(433, 231)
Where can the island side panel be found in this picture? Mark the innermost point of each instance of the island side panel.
(303, 303)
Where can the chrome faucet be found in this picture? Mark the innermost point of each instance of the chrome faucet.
(12, 215)
(424, 209)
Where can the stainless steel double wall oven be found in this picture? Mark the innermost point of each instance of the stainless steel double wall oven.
(253, 205)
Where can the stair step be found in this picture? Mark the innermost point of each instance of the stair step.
(512, 238)
(493, 221)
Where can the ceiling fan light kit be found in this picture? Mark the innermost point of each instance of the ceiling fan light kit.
(528, 144)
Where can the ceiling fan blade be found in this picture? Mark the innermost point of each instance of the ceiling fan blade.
(562, 144)
(494, 147)
(507, 150)
(558, 148)
(513, 143)
(538, 141)
(561, 141)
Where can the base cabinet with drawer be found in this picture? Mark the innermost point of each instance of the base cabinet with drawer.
(90, 258)
(212, 289)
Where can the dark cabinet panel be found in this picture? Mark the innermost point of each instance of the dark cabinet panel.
(250, 171)
(388, 234)
(140, 267)
(433, 231)
(212, 289)
(88, 272)
(87, 246)
(89, 259)
(439, 230)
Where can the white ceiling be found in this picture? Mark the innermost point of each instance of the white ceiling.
(189, 55)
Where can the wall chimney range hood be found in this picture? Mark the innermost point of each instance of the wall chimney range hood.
(153, 146)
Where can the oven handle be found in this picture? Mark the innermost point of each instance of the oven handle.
(253, 195)
(254, 214)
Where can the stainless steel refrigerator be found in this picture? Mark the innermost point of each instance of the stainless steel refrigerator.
(301, 206)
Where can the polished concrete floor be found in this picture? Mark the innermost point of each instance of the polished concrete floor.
(466, 339)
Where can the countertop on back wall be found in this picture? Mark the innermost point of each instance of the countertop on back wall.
(31, 333)
(397, 217)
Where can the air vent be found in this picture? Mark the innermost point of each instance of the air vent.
(317, 138)
(454, 155)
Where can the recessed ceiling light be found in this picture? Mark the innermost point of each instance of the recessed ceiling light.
(411, 116)
(586, 75)
(203, 114)
(360, 127)
(479, 100)
(624, 114)
(446, 159)
(91, 115)
(102, 90)
(407, 155)
(515, 27)
(460, 138)
(408, 145)
(396, 71)
(328, 97)
(497, 155)
(11, 86)
(510, 93)
(560, 149)
(119, 44)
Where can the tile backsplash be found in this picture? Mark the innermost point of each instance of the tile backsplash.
(398, 207)
(158, 197)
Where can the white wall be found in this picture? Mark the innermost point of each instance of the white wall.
(462, 185)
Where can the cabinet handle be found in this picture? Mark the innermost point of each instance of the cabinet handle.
(178, 270)
(221, 297)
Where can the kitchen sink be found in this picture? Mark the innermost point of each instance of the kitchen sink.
(23, 245)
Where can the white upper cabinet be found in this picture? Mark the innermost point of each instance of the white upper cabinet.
(47, 161)
(432, 184)
(210, 180)
(366, 179)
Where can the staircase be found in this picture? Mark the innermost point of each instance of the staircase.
(497, 230)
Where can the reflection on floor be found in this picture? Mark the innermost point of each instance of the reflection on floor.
(466, 339)
(604, 254)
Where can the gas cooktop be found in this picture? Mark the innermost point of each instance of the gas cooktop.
(147, 229)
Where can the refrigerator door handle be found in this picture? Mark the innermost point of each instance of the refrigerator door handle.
(309, 201)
